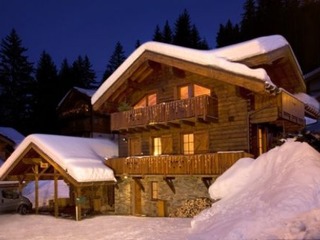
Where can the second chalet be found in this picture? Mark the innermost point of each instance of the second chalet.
(184, 116)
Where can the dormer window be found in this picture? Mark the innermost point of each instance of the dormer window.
(148, 100)
(193, 90)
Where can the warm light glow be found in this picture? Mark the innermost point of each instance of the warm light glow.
(188, 144)
(157, 146)
(198, 91)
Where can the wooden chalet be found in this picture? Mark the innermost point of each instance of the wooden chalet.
(76, 117)
(185, 116)
(76, 161)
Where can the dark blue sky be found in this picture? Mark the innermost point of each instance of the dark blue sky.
(69, 28)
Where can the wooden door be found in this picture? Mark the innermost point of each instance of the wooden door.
(137, 209)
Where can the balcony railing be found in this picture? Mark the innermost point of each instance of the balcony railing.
(202, 107)
(198, 164)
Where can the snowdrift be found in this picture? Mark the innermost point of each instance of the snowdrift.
(276, 196)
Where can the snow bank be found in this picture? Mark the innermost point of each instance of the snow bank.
(275, 196)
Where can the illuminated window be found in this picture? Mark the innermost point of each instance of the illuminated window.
(193, 90)
(156, 146)
(154, 190)
(188, 143)
(148, 100)
(198, 91)
(184, 92)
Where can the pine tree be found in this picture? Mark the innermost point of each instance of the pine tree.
(82, 73)
(16, 100)
(157, 35)
(228, 34)
(65, 79)
(248, 23)
(167, 33)
(116, 59)
(46, 95)
(182, 32)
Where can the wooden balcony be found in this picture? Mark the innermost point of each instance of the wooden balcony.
(203, 108)
(169, 165)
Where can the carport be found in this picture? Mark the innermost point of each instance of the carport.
(77, 161)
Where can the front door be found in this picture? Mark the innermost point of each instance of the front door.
(137, 210)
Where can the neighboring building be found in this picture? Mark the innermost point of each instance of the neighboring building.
(185, 116)
(9, 140)
(76, 117)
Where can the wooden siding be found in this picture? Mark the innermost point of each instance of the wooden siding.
(198, 164)
(204, 107)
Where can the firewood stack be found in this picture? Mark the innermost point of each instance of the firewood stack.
(192, 207)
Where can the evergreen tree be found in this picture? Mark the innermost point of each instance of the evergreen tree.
(228, 34)
(116, 59)
(65, 79)
(157, 35)
(83, 74)
(16, 81)
(182, 32)
(167, 33)
(46, 95)
(248, 22)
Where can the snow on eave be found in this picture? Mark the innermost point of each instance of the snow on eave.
(81, 158)
(87, 92)
(12, 134)
(207, 58)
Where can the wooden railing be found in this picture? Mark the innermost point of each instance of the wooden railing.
(204, 107)
(198, 164)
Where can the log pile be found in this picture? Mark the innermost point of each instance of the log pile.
(191, 207)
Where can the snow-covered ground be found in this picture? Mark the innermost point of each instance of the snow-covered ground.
(276, 196)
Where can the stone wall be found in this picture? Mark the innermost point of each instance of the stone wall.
(169, 198)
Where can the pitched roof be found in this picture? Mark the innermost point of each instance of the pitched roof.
(240, 64)
(81, 159)
(11, 134)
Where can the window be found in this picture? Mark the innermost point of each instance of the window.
(198, 91)
(188, 143)
(148, 100)
(157, 146)
(154, 190)
(193, 90)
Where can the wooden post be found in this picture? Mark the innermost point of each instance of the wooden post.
(36, 187)
(78, 203)
(56, 204)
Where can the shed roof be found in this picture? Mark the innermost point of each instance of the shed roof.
(80, 160)
(11, 134)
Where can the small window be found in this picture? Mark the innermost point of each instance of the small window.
(188, 143)
(157, 146)
(148, 100)
(154, 190)
(199, 90)
(184, 92)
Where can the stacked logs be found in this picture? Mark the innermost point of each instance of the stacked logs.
(191, 207)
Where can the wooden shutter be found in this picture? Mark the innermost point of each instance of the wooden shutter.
(201, 142)
(166, 144)
(135, 146)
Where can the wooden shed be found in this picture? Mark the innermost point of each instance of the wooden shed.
(76, 161)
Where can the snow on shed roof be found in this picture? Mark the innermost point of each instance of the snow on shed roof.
(11, 134)
(85, 91)
(81, 158)
(221, 58)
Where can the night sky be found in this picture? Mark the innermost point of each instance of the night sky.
(69, 28)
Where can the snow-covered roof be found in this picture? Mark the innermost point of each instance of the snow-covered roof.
(12, 134)
(85, 91)
(82, 158)
(222, 58)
